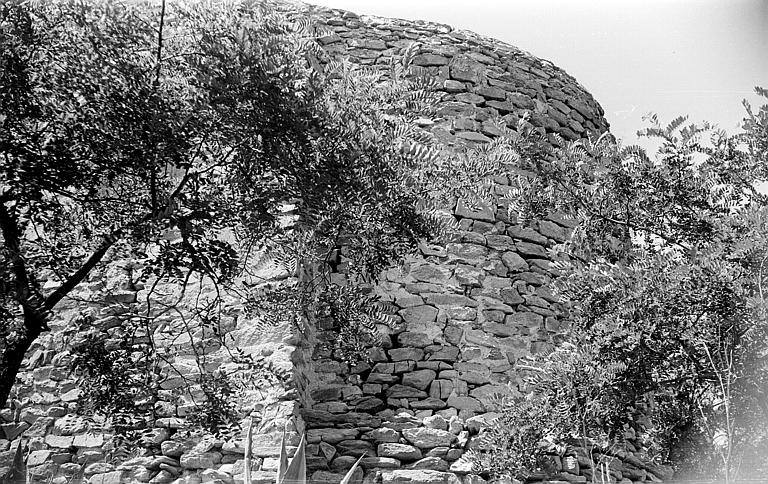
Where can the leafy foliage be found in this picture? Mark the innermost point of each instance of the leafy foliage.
(203, 143)
(568, 397)
(663, 278)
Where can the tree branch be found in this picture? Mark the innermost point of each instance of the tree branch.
(28, 296)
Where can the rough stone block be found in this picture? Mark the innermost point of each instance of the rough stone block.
(427, 60)
(419, 379)
(202, 460)
(415, 340)
(450, 300)
(436, 422)
(356, 448)
(418, 314)
(475, 373)
(114, 477)
(500, 242)
(527, 319)
(490, 92)
(419, 476)
(428, 404)
(402, 391)
(405, 354)
(330, 435)
(408, 300)
(479, 212)
(446, 353)
(384, 434)
(430, 273)
(452, 86)
(401, 452)
(465, 69)
(59, 441)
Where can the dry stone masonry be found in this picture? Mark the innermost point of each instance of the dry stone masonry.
(465, 314)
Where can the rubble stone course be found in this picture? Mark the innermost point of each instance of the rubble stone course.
(464, 315)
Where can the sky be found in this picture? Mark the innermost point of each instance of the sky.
(671, 57)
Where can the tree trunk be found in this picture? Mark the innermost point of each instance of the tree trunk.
(13, 354)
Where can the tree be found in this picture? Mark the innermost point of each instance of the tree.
(664, 277)
(123, 123)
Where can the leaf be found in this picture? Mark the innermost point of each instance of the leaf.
(348, 477)
(248, 451)
(282, 464)
(297, 468)
(17, 474)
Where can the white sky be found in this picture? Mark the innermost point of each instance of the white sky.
(672, 57)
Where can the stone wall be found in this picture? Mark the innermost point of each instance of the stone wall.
(465, 313)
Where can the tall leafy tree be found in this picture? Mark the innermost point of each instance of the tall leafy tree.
(122, 123)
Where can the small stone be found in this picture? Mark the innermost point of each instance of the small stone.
(174, 448)
(428, 404)
(431, 463)
(514, 262)
(216, 476)
(436, 422)
(163, 477)
(465, 403)
(38, 457)
(527, 319)
(450, 300)
(406, 354)
(419, 379)
(56, 412)
(461, 466)
(419, 476)
(98, 468)
(479, 422)
(430, 273)
(478, 212)
(451, 86)
(59, 441)
(490, 92)
(379, 378)
(470, 98)
(380, 463)
(465, 69)
(114, 477)
(382, 435)
(88, 440)
(415, 340)
(402, 391)
(203, 460)
(418, 314)
(473, 136)
(455, 425)
(428, 60)
(427, 438)
(401, 452)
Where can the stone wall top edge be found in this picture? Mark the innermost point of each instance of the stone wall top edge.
(499, 47)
